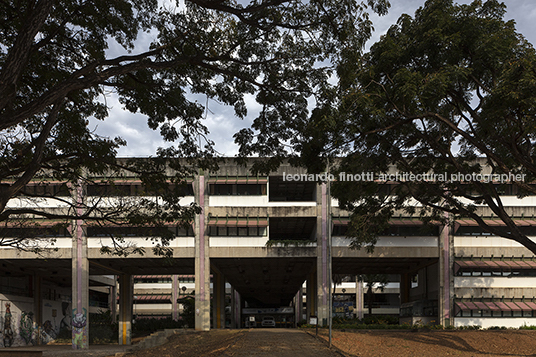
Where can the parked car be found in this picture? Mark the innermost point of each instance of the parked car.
(268, 321)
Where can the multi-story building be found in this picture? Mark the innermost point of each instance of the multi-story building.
(260, 238)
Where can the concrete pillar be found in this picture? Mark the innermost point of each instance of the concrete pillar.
(322, 260)
(405, 287)
(112, 298)
(445, 279)
(235, 309)
(359, 305)
(202, 264)
(174, 297)
(310, 295)
(298, 307)
(38, 304)
(80, 277)
(218, 299)
(126, 293)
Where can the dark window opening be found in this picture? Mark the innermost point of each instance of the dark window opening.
(293, 228)
(237, 189)
(297, 191)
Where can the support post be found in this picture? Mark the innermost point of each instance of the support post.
(174, 297)
(80, 277)
(405, 287)
(38, 305)
(126, 293)
(202, 264)
(112, 298)
(310, 295)
(445, 279)
(359, 298)
(322, 261)
(218, 298)
(235, 309)
(298, 312)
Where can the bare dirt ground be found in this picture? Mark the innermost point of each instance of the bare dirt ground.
(242, 343)
(294, 343)
(349, 343)
(433, 343)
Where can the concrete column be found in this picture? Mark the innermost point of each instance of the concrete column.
(80, 278)
(445, 279)
(174, 297)
(235, 309)
(218, 299)
(322, 260)
(202, 264)
(310, 295)
(359, 305)
(112, 298)
(126, 293)
(38, 304)
(405, 287)
(298, 307)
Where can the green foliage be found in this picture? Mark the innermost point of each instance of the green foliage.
(380, 320)
(56, 72)
(470, 327)
(451, 90)
(188, 312)
(501, 328)
(527, 327)
(144, 326)
(101, 328)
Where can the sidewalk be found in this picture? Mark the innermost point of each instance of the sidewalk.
(67, 350)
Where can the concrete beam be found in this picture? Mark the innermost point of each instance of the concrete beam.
(262, 252)
(386, 252)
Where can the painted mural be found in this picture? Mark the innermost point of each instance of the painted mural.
(8, 330)
(17, 321)
(80, 333)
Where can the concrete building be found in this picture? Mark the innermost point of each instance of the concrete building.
(260, 238)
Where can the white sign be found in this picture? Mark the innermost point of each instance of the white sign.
(313, 320)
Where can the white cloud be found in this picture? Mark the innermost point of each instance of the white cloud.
(221, 120)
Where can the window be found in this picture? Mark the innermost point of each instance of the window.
(422, 230)
(234, 231)
(232, 189)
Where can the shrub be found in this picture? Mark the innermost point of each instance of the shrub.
(148, 325)
(102, 329)
(525, 327)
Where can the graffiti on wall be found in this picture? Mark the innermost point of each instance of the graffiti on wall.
(18, 326)
(79, 325)
(27, 327)
(8, 330)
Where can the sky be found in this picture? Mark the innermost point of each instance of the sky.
(221, 121)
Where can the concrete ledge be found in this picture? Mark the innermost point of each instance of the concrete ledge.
(19, 353)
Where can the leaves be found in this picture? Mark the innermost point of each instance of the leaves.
(56, 73)
(449, 91)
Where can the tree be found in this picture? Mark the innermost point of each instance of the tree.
(55, 74)
(449, 92)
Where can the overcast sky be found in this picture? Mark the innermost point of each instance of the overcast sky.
(143, 142)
